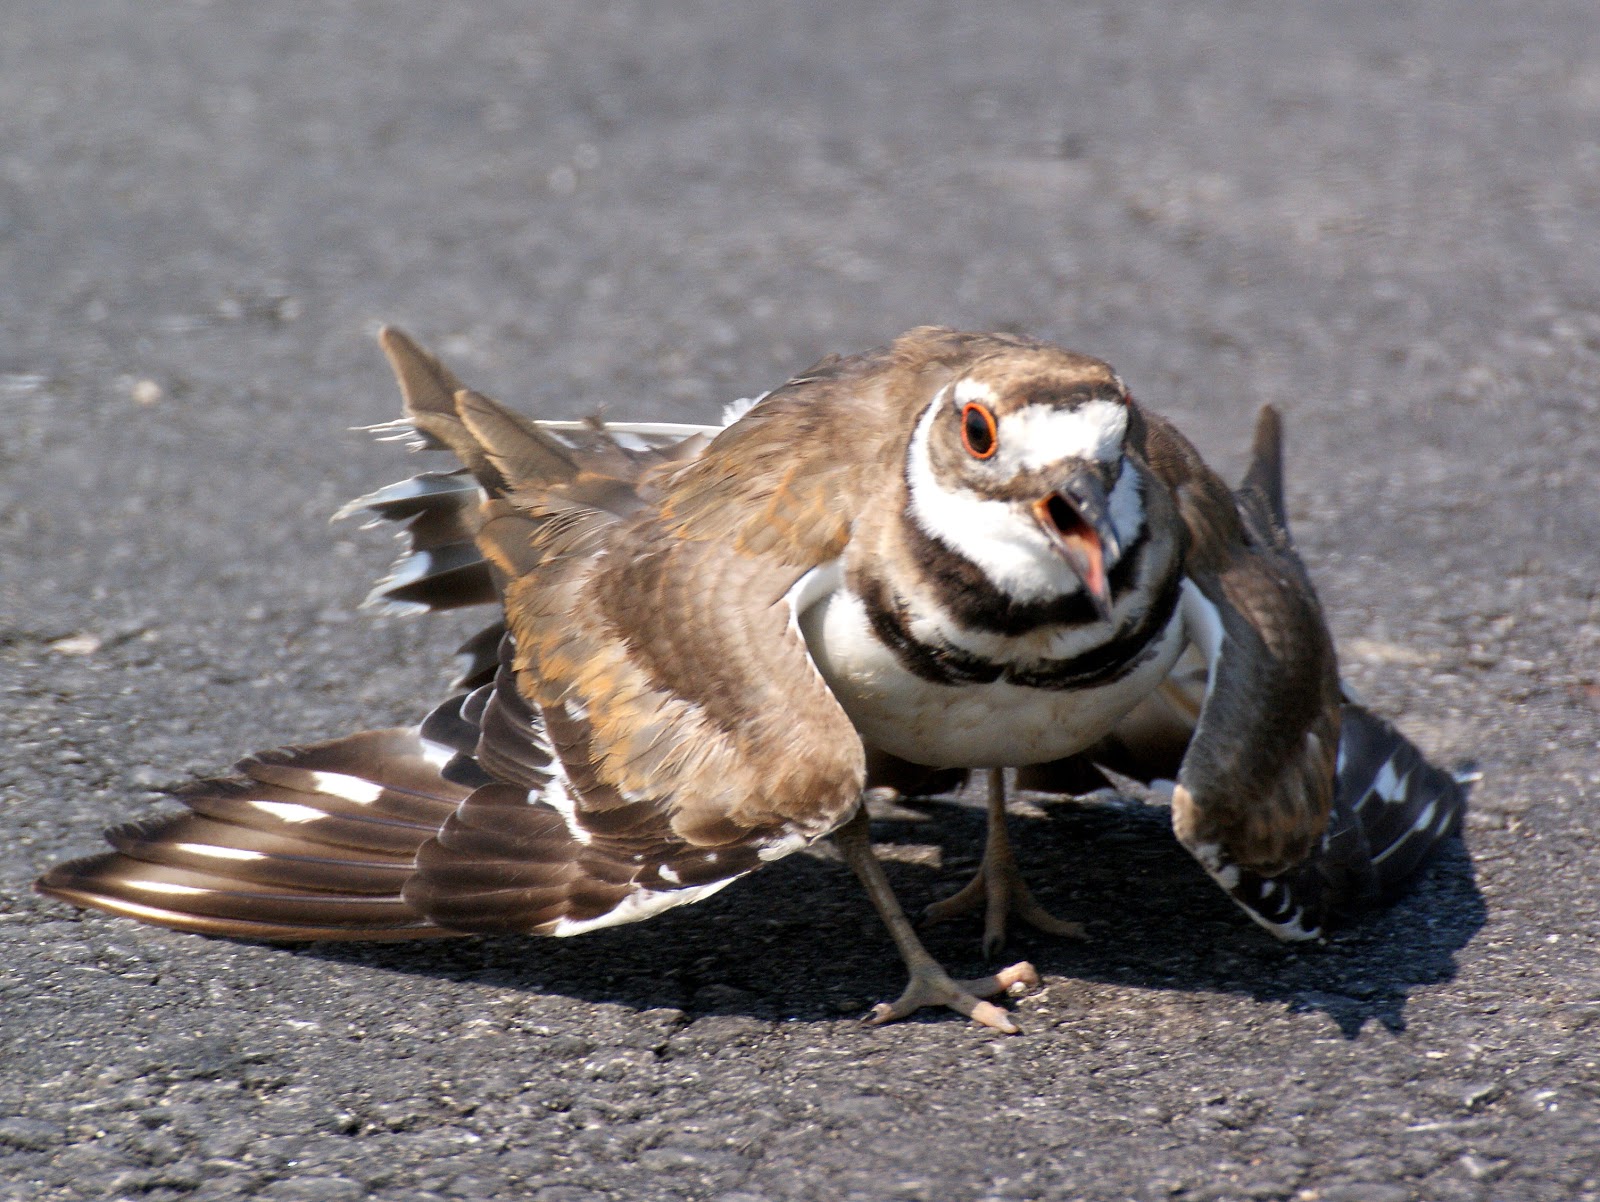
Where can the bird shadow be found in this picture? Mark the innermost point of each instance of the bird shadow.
(799, 941)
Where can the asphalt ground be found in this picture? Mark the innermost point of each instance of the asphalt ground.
(1384, 219)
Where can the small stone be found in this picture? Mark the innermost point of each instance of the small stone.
(1484, 1168)
(77, 644)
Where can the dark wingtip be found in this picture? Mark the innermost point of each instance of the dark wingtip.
(1392, 812)
(1265, 474)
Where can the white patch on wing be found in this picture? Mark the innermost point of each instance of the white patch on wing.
(652, 434)
(351, 788)
(1419, 827)
(1387, 784)
(1292, 931)
(407, 570)
(734, 410)
(148, 886)
(1203, 624)
(288, 811)
(1227, 875)
(436, 755)
(1425, 819)
(779, 848)
(1212, 860)
(220, 853)
(555, 795)
(641, 904)
(1037, 436)
(1004, 541)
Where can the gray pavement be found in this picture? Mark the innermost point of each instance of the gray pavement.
(1385, 219)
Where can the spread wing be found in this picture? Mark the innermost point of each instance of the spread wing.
(1300, 804)
(642, 726)
(655, 727)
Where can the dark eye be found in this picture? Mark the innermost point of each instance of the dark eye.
(978, 432)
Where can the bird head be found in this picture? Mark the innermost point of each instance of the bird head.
(1019, 464)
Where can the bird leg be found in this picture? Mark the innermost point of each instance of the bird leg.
(930, 984)
(998, 885)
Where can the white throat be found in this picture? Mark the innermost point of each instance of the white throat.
(1004, 542)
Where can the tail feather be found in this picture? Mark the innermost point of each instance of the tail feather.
(307, 816)
(439, 567)
(478, 659)
(1260, 492)
(575, 463)
(1405, 806)
(378, 835)
(382, 836)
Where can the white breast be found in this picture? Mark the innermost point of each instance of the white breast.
(967, 726)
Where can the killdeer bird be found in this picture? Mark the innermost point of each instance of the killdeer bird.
(965, 551)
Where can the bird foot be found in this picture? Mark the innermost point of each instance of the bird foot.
(999, 890)
(930, 985)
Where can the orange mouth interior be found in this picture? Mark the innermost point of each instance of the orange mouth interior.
(1078, 540)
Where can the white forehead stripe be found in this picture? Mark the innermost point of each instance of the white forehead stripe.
(968, 391)
(1037, 436)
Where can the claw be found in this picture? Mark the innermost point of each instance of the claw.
(998, 888)
(932, 986)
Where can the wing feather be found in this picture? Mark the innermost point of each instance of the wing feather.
(1303, 807)
(651, 654)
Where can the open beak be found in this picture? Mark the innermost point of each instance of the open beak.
(1076, 518)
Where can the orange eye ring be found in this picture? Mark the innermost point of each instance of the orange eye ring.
(979, 433)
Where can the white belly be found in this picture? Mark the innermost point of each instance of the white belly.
(970, 725)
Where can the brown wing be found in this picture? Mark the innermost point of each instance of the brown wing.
(1256, 782)
(1305, 807)
(644, 727)
(304, 843)
(652, 648)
